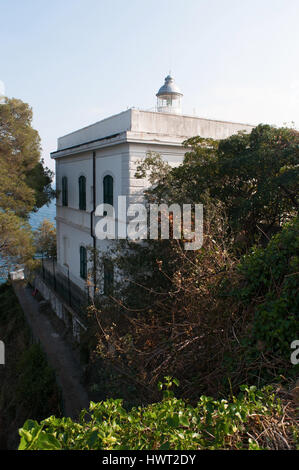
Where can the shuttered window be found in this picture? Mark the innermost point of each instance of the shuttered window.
(83, 262)
(108, 190)
(64, 191)
(108, 277)
(82, 193)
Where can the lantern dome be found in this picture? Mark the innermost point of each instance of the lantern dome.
(169, 97)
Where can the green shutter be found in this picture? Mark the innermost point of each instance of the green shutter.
(108, 190)
(83, 262)
(82, 193)
(64, 191)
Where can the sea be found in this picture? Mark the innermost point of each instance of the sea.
(45, 212)
(35, 219)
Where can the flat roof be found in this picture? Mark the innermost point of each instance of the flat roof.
(141, 122)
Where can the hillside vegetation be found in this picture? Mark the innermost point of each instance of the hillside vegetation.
(215, 318)
(28, 385)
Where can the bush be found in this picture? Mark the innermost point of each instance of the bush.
(28, 386)
(36, 387)
(255, 419)
(271, 281)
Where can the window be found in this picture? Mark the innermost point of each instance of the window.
(108, 277)
(64, 191)
(83, 262)
(108, 190)
(82, 193)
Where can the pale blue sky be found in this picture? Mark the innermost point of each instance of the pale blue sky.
(78, 61)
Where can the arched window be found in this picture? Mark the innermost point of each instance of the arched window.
(83, 262)
(108, 277)
(64, 191)
(82, 193)
(108, 190)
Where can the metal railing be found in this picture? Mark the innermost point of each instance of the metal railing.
(77, 298)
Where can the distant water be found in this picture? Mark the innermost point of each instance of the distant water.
(36, 218)
(45, 212)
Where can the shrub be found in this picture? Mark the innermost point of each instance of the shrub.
(255, 419)
(36, 387)
(271, 285)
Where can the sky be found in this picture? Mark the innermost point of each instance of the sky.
(78, 61)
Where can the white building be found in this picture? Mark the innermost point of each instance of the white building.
(99, 161)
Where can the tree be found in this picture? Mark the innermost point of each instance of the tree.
(258, 178)
(16, 242)
(45, 239)
(25, 184)
(254, 176)
(179, 312)
(40, 179)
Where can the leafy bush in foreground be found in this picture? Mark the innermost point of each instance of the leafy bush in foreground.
(253, 420)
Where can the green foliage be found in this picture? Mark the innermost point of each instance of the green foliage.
(16, 244)
(169, 424)
(25, 184)
(206, 317)
(36, 387)
(45, 239)
(209, 317)
(10, 311)
(28, 385)
(255, 176)
(258, 177)
(39, 178)
(270, 284)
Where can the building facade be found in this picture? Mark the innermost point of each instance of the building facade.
(97, 163)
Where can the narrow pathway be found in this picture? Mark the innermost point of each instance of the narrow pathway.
(59, 354)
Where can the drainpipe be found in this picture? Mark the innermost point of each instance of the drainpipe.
(92, 219)
(69, 286)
